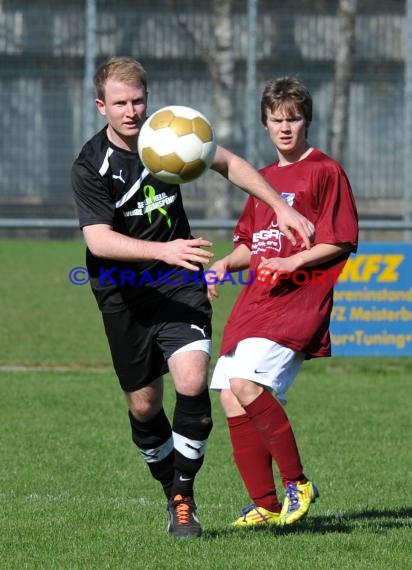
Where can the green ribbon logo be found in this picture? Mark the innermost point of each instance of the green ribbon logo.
(149, 194)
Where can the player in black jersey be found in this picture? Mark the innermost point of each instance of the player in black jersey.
(146, 275)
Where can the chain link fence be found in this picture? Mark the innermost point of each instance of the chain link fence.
(47, 100)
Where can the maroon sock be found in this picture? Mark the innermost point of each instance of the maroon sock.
(272, 424)
(254, 463)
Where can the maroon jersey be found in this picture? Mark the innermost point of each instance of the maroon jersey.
(295, 312)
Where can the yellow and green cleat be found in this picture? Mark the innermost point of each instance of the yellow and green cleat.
(256, 516)
(298, 499)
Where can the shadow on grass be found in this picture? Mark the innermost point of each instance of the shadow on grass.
(372, 520)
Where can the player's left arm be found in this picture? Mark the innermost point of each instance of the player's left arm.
(237, 260)
(245, 176)
(318, 254)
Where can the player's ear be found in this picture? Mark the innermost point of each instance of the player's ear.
(101, 106)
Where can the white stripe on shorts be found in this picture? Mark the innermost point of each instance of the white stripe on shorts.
(204, 345)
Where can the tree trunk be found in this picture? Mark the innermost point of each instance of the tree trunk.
(343, 75)
(221, 66)
(218, 54)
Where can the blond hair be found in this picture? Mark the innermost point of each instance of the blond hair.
(124, 69)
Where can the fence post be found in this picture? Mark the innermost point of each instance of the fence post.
(250, 106)
(407, 127)
(89, 64)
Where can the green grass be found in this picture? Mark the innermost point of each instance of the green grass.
(74, 493)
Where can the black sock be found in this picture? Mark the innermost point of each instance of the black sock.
(155, 442)
(192, 424)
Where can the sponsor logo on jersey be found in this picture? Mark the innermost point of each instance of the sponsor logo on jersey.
(153, 202)
(289, 197)
(119, 177)
(268, 239)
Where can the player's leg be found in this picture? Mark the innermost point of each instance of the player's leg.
(252, 459)
(275, 368)
(152, 433)
(254, 464)
(192, 424)
(184, 338)
(273, 426)
(192, 420)
(139, 368)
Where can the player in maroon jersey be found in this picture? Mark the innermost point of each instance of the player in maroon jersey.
(282, 317)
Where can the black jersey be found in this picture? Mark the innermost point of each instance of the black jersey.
(111, 186)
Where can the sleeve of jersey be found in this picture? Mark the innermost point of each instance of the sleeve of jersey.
(91, 196)
(244, 227)
(338, 219)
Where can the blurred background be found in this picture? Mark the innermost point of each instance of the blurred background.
(216, 56)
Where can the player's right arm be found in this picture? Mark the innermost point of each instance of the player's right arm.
(241, 173)
(106, 243)
(237, 260)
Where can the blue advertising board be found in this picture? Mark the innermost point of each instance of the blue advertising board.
(372, 314)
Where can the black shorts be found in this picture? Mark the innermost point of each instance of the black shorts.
(141, 342)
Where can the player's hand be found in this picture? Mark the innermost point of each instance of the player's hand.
(290, 219)
(213, 275)
(270, 269)
(187, 253)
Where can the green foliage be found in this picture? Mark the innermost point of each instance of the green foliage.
(75, 494)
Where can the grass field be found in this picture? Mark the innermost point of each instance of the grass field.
(74, 493)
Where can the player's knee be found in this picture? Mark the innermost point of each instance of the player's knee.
(144, 411)
(230, 403)
(244, 390)
(144, 405)
(193, 384)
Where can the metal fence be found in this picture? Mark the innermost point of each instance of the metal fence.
(46, 47)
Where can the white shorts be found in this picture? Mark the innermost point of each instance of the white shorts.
(259, 360)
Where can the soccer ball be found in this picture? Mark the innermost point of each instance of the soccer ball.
(177, 144)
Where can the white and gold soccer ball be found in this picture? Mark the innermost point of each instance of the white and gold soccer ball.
(177, 144)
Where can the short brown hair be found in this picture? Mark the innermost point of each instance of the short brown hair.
(288, 93)
(125, 69)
